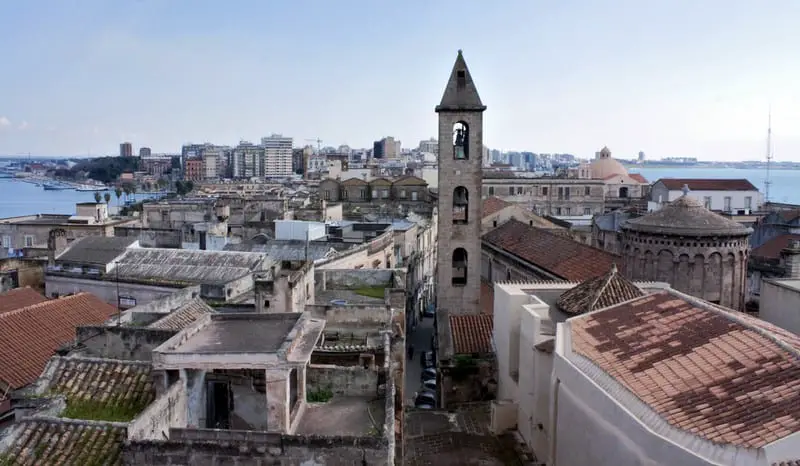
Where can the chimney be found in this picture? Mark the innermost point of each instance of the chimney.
(791, 259)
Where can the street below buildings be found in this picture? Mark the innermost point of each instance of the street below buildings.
(420, 339)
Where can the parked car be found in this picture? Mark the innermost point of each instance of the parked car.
(427, 360)
(429, 312)
(429, 385)
(425, 398)
(428, 374)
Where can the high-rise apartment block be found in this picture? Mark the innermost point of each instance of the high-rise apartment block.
(277, 156)
(386, 148)
(144, 152)
(126, 149)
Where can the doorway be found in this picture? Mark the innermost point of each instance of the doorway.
(219, 404)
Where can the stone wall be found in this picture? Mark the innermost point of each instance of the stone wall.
(145, 314)
(350, 279)
(29, 272)
(107, 290)
(128, 343)
(152, 237)
(342, 381)
(352, 316)
(214, 446)
(364, 256)
(168, 410)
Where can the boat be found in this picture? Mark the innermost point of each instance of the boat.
(91, 187)
(55, 186)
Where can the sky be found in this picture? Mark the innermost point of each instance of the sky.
(667, 77)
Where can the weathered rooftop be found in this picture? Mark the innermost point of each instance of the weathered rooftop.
(95, 250)
(722, 376)
(686, 216)
(183, 316)
(188, 266)
(287, 250)
(472, 334)
(19, 298)
(599, 292)
(241, 333)
(356, 416)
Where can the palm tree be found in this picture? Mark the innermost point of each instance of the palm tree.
(107, 197)
(133, 191)
(97, 197)
(127, 190)
(118, 192)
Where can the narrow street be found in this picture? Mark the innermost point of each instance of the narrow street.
(420, 339)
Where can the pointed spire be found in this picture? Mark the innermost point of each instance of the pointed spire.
(460, 93)
(685, 189)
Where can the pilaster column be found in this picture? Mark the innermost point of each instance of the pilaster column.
(277, 394)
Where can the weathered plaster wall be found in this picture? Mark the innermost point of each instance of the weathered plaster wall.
(168, 410)
(342, 381)
(351, 279)
(106, 290)
(128, 343)
(352, 317)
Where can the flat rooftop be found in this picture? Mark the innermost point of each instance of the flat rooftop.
(241, 333)
(792, 284)
(356, 416)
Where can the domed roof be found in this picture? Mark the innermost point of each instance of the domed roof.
(686, 216)
(605, 167)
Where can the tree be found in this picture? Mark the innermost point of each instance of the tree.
(180, 188)
(133, 191)
(118, 192)
(189, 185)
(107, 197)
(97, 197)
(127, 190)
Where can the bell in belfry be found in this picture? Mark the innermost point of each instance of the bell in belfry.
(460, 197)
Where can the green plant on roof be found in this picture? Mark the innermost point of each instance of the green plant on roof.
(99, 411)
(320, 395)
(371, 291)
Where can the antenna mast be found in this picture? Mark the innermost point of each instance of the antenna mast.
(767, 181)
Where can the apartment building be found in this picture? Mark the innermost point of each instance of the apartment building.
(550, 196)
(277, 156)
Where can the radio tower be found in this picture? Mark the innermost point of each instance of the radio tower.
(767, 181)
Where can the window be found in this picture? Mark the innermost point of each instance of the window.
(566, 210)
(519, 189)
(374, 193)
(345, 194)
(727, 203)
(459, 267)
(623, 192)
(414, 195)
(544, 190)
(461, 79)
(748, 202)
(385, 194)
(326, 195)
(28, 241)
(561, 192)
(363, 192)
(587, 211)
(566, 192)
(707, 202)
(402, 194)
(494, 223)
(491, 190)
(6, 241)
(460, 205)
(510, 190)
(460, 141)
(558, 210)
(587, 190)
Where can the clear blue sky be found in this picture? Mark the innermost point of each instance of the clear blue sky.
(670, 77)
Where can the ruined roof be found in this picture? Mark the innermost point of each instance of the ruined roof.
(472, 333)
(711, 372)
(557, 254)
(240, 333)
(19, 298)
(598, 293)
(772, 248)
(50, 441)
(288, 249)
(188, 266)
(183, 316)
(113, 389)
(686, 216)
(31, 335)
(701, 184)
(493, 204)
(460, 93)
(96, 250)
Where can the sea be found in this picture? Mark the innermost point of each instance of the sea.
(19, 198)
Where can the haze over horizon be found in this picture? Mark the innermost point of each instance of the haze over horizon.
(669, 78)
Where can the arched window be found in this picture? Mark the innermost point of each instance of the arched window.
(460, 205)
(460, 267)
(623, 192)
(460, 141)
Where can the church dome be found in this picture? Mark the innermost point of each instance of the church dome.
(604, 166)
(686, 216)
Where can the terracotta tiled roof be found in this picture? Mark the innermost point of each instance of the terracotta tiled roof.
(183, 316)
(487, 297)
(701, 184)
(638, 177)
(598, 293)
(554, 253)
(772, 248)
(493, 204)
(709, 372)
(19, 298)
(472, 333)
(119, 388)
(44, 441)
(30, 335)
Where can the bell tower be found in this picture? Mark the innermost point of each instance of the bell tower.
(458, 284)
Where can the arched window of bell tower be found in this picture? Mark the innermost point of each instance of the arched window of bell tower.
(460, 205)
(459, 267)
(460, 141)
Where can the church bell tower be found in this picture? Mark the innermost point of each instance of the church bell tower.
(458, 284)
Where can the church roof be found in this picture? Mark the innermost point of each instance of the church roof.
(460, 93)
(686, 216)
(598, 293)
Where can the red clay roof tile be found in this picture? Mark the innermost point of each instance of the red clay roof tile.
(493, 204)
(717, 374)
(554, 253)
(701, 184)
(638, 177)
(772, 248)
(30, 335)
(19, 298)
(472, 334)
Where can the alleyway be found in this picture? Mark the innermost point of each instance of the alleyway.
(420, 338)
